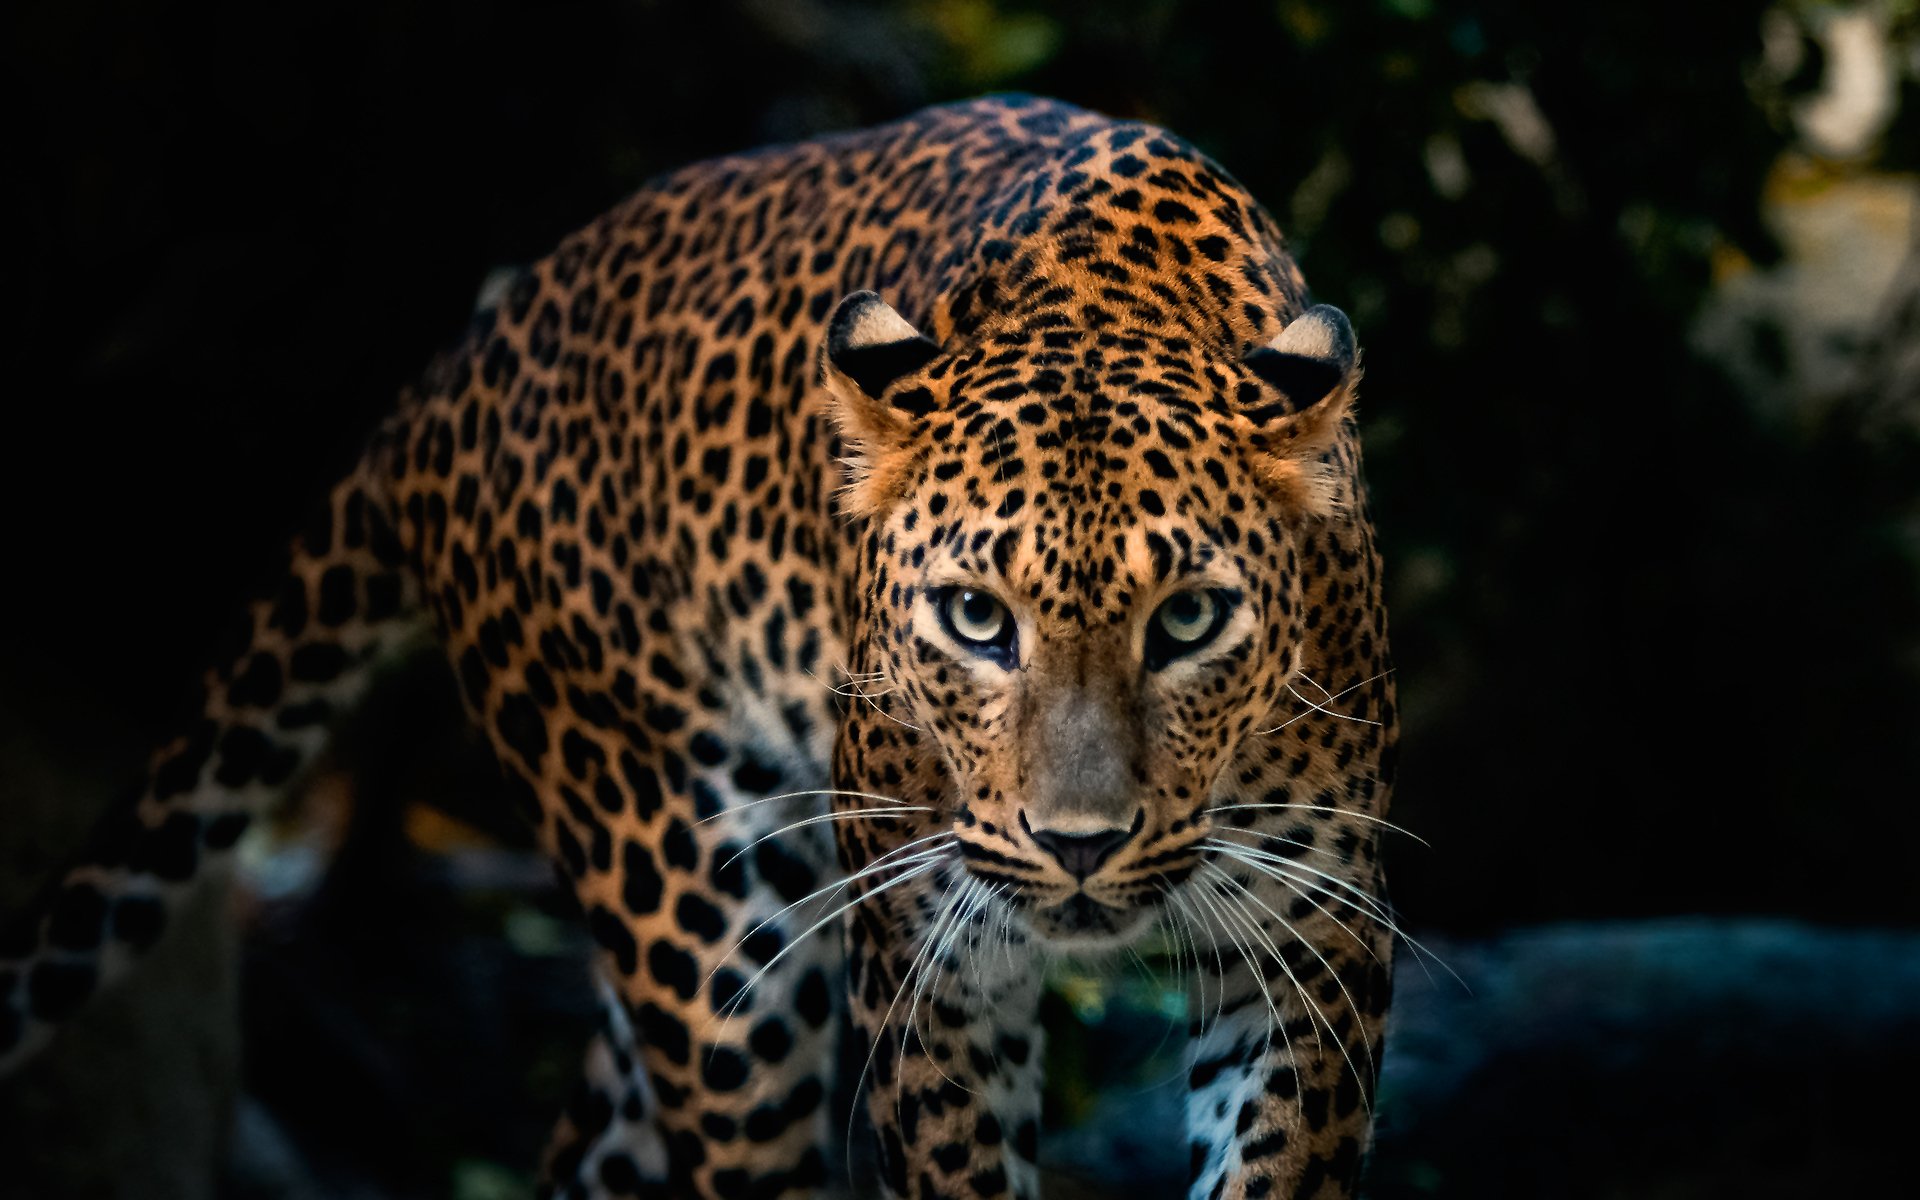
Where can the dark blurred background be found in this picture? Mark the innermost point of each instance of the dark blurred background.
(1637, 288)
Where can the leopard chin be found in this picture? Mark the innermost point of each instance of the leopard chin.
(1082, 925)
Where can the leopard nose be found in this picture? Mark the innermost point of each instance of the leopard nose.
(1080, 853)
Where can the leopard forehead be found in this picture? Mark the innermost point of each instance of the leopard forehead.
(1080, 527)
(1094, 489)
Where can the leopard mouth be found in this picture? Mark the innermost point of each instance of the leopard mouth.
(1085, 913)
(1081, 923)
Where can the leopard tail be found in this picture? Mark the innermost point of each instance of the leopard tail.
(347, 600)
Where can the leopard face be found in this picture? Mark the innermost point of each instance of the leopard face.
(1083, 586)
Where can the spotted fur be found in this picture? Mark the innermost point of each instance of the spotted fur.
(685, 511)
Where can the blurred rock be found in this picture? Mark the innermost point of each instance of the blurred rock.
(1696, 1058)
(1678, 1058)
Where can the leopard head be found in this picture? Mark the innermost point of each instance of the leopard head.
(1079, 589)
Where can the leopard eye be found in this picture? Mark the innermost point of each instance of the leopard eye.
(1183, 623)
(1187, 616)
(978, 621)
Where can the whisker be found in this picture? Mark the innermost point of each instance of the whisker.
(1373, 907)
(965, 905)
(942, 945)
(868, 676)
(1211, 897)
(1006, 935)
(1154, 983)
(731, 1006)
(1369, 906)
(1219, 966)
(1195, 926)
(1318, 708)
(1330, 697)
(974, 944)
(1337, 812)
(878, 865)
(875, 705)
(1183, 927)
(1140, 964)
(855, 814)
(1222, 881)
(1253, 926)
(1285, 841)
(1353, 1007)
(1421, 954)
(919, 975)
(1254, 864)
(734, 809)
(1180, 934)
(1216, 903)
(1170, 939)
(843, 691)
(886, 1019)
(886, 862)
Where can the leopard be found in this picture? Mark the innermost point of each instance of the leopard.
(885, 567)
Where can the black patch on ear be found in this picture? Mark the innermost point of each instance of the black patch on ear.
(872, 367)
(1304, 379)
(1300, 379)
(875, 367)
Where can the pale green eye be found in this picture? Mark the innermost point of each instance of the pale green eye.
(977, 616)
(1187, 617)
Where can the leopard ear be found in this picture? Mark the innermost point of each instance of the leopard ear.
(1314, 368)
(869, 348)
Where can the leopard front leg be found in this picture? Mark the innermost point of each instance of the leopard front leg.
(1288, 1042)
(610, 1139)
(701, 881)
(947, 993)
